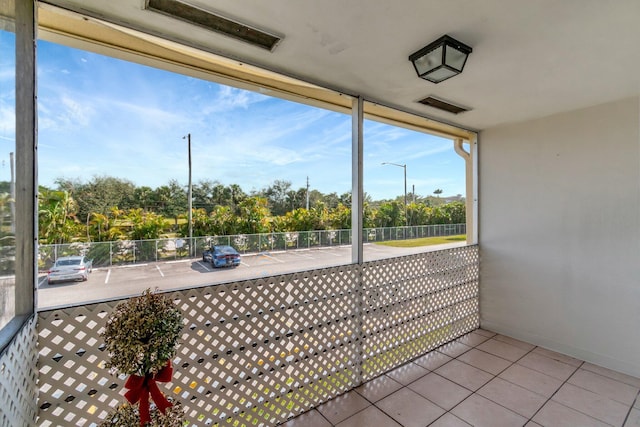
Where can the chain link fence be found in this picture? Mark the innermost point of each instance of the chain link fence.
(123, 252)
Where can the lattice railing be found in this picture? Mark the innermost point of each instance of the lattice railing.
(18, 378)
(259, 351)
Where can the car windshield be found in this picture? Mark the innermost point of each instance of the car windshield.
(62, 262)
(226, 249)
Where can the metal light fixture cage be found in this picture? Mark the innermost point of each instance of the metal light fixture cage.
(441, 59)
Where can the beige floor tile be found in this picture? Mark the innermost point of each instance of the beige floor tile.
(518, 399)
(485, 361)
(472, 339)
(551, 367)
(558, 356)
(634, 418)
(627, 379)
(371, 416)
(342, 407)
(454, 349)
(554, 414)
(432, 360)
(485, 332)
(502, 349)
(604, 386)
(410, 409)
(637, 404)
(308, 419)
(531, 380)
(464, 375)
(408, 373)
(378, 388)
(449, 420)
(514, 342)
(440, 390)
(592, 404)
(532, 424)
(481, 412)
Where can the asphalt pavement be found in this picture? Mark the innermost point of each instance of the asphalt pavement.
(131, 280)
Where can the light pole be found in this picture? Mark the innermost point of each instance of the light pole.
(406, 216)
(189, 201)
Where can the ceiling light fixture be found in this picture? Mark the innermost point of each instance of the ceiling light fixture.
(214, 22)
(440, 60)
(440, 104)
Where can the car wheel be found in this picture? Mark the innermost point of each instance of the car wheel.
(204, 259)
(85, 277)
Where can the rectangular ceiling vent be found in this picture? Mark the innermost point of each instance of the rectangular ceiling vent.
(443, 105)
(213, 22)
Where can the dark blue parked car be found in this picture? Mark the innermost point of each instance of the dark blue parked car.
(221, 256)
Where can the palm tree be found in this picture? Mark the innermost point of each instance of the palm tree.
(57, 217)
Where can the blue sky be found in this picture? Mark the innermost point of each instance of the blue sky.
(102, 116)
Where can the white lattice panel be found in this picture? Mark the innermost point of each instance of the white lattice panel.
(18, 378)
(257, 352)
(416, 303)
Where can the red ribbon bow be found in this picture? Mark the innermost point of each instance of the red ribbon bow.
(141, 387)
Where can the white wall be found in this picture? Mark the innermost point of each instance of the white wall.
(560, 233)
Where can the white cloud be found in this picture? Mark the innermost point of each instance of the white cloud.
(228, 99)
(7, 121)
(76, 112)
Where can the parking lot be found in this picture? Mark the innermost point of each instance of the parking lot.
(130, 280)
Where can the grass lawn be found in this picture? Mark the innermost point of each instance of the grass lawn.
(424, 241)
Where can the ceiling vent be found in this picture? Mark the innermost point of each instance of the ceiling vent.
(213, 22)
(430, 101)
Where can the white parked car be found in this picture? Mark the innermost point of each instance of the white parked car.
(69, 268)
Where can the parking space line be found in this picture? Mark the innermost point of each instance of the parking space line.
(297, 253)
(41, 281)
(203, 266)
(332, 252)
(106, 279)
(159, 271)
(272, 257)
(178, 261)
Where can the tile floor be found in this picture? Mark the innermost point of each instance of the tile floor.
(486, 379)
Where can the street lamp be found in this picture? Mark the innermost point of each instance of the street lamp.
(406, 216)
(188, 137)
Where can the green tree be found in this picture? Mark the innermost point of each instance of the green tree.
(172, 200)
(418, 213)
(237, 196)
(253, 215)
(456, 211)
(223, 221)
(389, 214)
(144, 225)
(144, 197)
(99, 195)
(438, 215)
(201, 223)
(57, 217)
(340, 217)
(278, 197)
(202, 194)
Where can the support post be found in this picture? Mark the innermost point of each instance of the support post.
(26, 159)
(357, 125)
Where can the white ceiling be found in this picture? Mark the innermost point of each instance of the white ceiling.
(531, 58)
